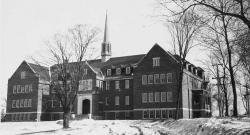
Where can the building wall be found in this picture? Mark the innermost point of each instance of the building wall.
(15, 79)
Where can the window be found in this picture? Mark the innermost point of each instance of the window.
(144, 97)
(156, 79)
(152, 114)
(126, 100)
(17, 103)
(101, 85)
(22, 89)
(169, 96)
(163, 97)
(21, 103)
(106, 101)
(23, 75)
(81, 85)
(26, 88)
(30, 88)
(89, 84)
(85, 71)
(97, 83)
(126, 84)
(157, 96)
(169, 78)
(128, 71)
(108, 72)
(25, 103)
(150, 79)
(151, 97)
(117, 100)
(117, 85)
(29, 102)
(118, 71)
(164, 114)
(107, 85)
(13, 104)
(13, 117)
(162, 79)
(156, 61)
(117, 115)
(157, 114)
(145, 114)
(144, 79)
(18, 89)
(17, 117)
(14, 89)
(127, 115)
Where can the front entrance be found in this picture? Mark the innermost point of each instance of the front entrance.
(86, 106)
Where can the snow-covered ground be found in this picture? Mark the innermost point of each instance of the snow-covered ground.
(201, 126)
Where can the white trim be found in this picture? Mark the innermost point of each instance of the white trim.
(21, 112)
(118, 78)
(119, 111)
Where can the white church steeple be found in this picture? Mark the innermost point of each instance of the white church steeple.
(106, 46)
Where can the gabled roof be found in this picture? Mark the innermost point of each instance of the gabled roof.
(42, 71)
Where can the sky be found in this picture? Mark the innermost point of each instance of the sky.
(26, 24)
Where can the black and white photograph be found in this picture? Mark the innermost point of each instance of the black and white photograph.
(125, 67)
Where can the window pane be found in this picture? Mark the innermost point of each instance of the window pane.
(145, 114)
(162, 79)
(150, 79)
(151, 97)
(157, 96)
(144, 97)
(117, 100)
(169, 78)
(126, 84)
(152, 114)
(169, 96)
(163, 96)
(156, 78)
(126, 100)
(144, 79)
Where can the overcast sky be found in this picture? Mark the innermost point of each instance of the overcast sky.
(26, 24)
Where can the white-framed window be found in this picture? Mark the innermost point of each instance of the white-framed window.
(89, 84)
(157, 96)
(164, 114)
(118, 71)
(156, 61)
(29, 102)
(106, 101)
(169, 96)
(150, 97)
(18, 89)
(128, 70)
(25, 104)
(144, 79)
(14, 89)
(81, 85)
(21, 103)
(169, 78)
(85, 71)
(126, 84)
(108, 72)
(156, 79)
(23, 75)
(117, 100)
(13, 103)
(26, 88)
(150, 79)
(30, 88)
(145, 114)
(107, 85)
(163, 96)
(97, 83)
(144, 97)
(126, 100)
(22, 89)
(17, 103)
(117, 84)
(162, 79)
(152, 114)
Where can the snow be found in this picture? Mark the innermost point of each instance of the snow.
(200, 126)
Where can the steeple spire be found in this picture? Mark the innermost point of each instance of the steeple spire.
(106, 46)
(106, 30)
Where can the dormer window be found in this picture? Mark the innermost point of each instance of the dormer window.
(118, 71)
(85, 71)
(156, 61)
(128, 70)
(108, 72)
(23, 75)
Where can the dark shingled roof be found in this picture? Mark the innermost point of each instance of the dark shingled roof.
(42, 71)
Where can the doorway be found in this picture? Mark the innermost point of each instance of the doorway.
(86, 106)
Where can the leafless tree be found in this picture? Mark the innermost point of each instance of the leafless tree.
(67, 53)
(237, 9)
(183, 34)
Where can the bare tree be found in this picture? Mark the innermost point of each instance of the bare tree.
(238, 9)
(68, 53)
(183, 34)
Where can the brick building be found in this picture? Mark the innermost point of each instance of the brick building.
(129, 87)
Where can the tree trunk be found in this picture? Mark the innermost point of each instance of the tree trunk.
(66, 117)
(180, 76)
(225, 92)
(235, 111)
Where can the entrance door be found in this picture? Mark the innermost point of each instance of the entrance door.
(86, 106)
